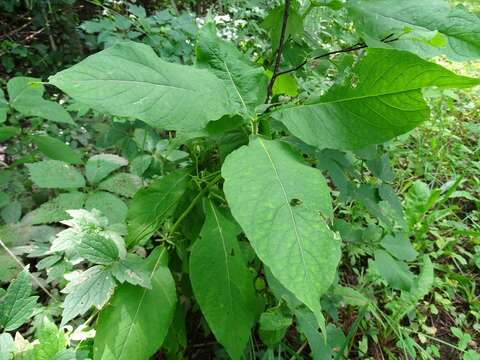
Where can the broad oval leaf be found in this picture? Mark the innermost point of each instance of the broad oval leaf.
(55, 174)
(246, 84)
(100, 166)
(56, 149)
(136, 321)
(427, 28)
(282, 205)
(381, 99)
(109, 205)
(129, 79)
(222, 283)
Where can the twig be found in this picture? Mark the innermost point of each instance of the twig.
(24, 267)
(357, 46)
(281, 45)
(14, 31)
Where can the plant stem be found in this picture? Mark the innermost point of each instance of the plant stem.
(194, 202)
(281, 45)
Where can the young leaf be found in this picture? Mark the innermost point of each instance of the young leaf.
(93, 287)
(151, 205)
(128, 79)
(97, 249)
(55, 209)
(51, 342)
(56, 149)
(55, 174)
(132, 269)
(122, 184)
(100, 166)
(17, 306)
(222, 283)
(135, 323)
(26, 97)
(457, 29)
(247, 84)
(381, 100)
(281, 204)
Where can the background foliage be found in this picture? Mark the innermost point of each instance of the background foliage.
(105, 206)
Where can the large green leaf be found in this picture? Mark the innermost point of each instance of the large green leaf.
(129, 79)
(283, 205)
(135, 323)
(153, 204)
(56, 149)
(55, 174)
(26, 97)
(122, 184)
(380, 100)
(427, 28)
(247, 84)
(222, 283)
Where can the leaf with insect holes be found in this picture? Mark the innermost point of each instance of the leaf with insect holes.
(284, 214)
(122, 184)
(223, 285)
(92, 287)
(17, 305)
(381, 99)
(129, 79)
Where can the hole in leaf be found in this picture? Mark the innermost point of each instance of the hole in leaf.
(295, 202)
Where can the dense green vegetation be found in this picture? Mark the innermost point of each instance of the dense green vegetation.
(239, 179)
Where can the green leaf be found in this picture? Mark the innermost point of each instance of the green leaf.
(132, 269)
(56, 149)
(273, 326)
(381, 99)
(51, 341)
(122, 184)
(282, 206)
(3, 107)
(247, 84)
(92, 287)
(426, 21)
(222, 283)
(109, 205)
(7, 132)
(97, 249)
(136, 321)
(396, 273)
(17, 306)
(128, 79)
(100, 166)
(12, 212)
(152, 205)
(55, 174)
(273, 24)
(399, 246)
(26, 97)
(55, 209)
